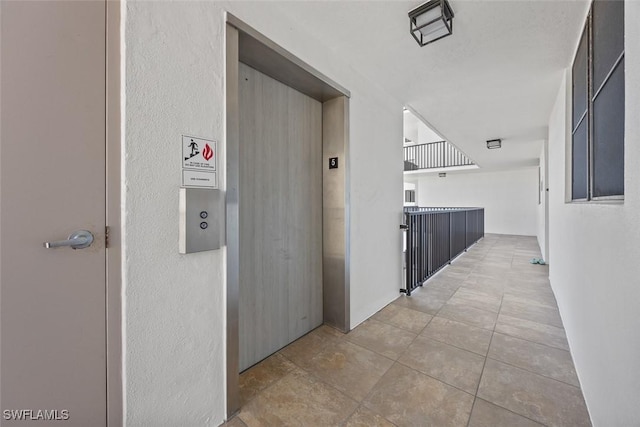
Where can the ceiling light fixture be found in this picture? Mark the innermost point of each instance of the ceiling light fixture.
(494, 143)
(431, 21)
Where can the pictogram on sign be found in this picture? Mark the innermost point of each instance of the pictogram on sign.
(198, 154)
(199, 162)
(207, 153)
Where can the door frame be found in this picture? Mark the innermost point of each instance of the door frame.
(245, 44)
(113, 139)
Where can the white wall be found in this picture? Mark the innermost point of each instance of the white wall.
(426, 134)
(411, 186)
(542, 206)
(174, 305)
(595, 272)
(416, 131)
(510, 198)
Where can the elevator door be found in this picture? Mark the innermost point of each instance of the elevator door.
(280, 215)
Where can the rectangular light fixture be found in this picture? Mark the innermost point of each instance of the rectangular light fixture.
(494, 143)
(431, 21)
(442, 174)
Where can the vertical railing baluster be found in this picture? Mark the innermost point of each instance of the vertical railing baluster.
(438, 154)
(450, 214)
(435, 236)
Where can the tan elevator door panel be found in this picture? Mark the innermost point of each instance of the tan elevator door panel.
(52, 181)
(280, 215)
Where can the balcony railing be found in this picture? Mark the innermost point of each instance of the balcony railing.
(435, 236)
(433, 155)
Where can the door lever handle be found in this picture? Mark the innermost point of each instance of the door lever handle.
(77, 240)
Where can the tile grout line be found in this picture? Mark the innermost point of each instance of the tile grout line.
(361, 405)
(361, 402)
(319, 379)
(513, 412)
(400, 327)
(276, 381)
(243, 404)
(473, 405)
(344, 422)
(376, 351)
(531, 341)
(397, 362)
(433, 316)
(522, 318)
(436, 379)
(370, 349)
(357, 345)
(487, 357)
(467, 323)
(339, 338)
(492, 403)
(456, 346)
(475, 397)
(532, 372)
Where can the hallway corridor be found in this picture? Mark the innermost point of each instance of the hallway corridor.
(481, 344)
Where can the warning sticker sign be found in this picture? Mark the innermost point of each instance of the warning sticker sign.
(199, 179)
(199, 154)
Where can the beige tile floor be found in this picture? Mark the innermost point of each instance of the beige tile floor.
(480, 345)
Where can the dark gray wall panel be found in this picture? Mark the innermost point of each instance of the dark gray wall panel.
(608, 137)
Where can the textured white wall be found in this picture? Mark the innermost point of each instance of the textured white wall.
(174, 305)
(595, 272)
(510, 198)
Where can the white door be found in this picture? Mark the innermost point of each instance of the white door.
(52, 180)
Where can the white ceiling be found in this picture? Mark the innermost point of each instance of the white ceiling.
(496, 77)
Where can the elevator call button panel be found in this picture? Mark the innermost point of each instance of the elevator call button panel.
(201, 220)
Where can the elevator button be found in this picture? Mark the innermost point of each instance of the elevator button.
(201, 220)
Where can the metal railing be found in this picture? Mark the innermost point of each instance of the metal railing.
(432, 155)
(435, 236)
